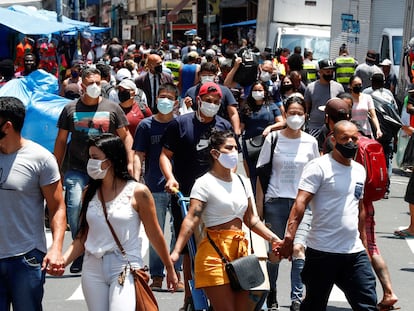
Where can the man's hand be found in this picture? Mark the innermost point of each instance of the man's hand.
(171, 186)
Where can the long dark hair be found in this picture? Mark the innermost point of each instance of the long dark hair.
(114, 150)
(251, 102)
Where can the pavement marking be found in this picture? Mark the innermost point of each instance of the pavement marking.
(77, 294)
(337, 295)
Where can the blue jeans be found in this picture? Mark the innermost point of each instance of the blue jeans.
(162, 205)
(352, 273)
(21, 282)
(74, 183)
(276, 214)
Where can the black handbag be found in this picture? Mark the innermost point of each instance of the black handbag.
(253, 147)
(264, 171)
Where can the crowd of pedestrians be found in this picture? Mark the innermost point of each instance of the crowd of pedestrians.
(145, 121)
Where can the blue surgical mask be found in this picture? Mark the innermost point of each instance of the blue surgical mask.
(165, 105)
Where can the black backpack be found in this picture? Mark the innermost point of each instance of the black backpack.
(388, 118)
(246, 74)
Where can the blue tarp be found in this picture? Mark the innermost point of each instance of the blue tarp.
(251, 22)
(50, 16)
(38, 92)
(30, 25)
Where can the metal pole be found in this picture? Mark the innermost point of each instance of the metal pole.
(59, 10)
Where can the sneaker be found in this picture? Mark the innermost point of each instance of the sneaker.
(156, 284)
(271, 301)
(76, 266)
(295, 306)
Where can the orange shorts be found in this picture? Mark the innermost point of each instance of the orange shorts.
(208, 267)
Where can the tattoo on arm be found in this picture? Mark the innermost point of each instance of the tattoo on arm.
(198, 210)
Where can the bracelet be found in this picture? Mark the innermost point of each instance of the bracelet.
(274, 237)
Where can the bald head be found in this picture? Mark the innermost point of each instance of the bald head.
(154, 63)
(342, 126)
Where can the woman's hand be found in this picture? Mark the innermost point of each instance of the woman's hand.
(267, 130)
(172, 279)
(174, 256)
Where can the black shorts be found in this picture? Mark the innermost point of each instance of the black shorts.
(409, 193)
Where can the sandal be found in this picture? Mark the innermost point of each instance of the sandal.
(402, 234)
(384, 307)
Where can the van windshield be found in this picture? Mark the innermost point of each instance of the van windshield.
(319, 45)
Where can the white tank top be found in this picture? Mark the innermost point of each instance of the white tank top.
(123, 218)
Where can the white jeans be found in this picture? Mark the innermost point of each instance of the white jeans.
(100, 283)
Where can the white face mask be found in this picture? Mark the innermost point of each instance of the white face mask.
(209, 109)
(165, 105)
(228, 160)
(258, 95)
(209, 78)
(94, 169)
(295, 122)
(93, 90)
(264, 76)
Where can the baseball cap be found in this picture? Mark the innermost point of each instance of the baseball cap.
(115, 59)
(122, 74)
(336, 109)
(210, 88)
(386, 62)
(326, 64)
(128, 84)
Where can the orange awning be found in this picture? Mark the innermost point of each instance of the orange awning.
(172, 16)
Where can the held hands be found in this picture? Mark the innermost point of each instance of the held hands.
(54, 263)
(283, 248)
(172, 280)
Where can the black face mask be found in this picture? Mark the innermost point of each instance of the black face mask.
(347, 150)
(124, 95)
(286, 87)
(357, 89)
(327, 77)
(158, 69)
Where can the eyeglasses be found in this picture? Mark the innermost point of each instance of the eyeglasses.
(211, 89)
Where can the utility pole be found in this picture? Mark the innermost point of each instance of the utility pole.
(208, 21)
(158, 33)
(76, 10)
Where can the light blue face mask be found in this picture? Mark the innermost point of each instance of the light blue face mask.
(165, 105)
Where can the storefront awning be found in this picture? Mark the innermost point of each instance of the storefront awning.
(172, 16)
(30, 25)
(251, 22)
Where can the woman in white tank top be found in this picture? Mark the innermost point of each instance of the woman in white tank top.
(128, 203)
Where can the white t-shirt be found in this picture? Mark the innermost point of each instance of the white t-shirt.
(224, 200)
(337, 190)
(360, 111)
(289, 159)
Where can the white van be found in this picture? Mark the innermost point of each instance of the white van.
(391, 47)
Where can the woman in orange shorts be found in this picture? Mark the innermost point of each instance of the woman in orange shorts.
(222, 201)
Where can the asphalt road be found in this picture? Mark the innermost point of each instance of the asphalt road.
(65, 293)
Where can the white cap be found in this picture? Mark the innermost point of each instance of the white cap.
(128, 84)
(386, 62)
(122, 74)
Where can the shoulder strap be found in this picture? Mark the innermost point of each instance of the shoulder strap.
(273, 145)
(250, 229)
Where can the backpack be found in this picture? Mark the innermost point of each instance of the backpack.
(106, 89)
(142, 106)
(388, 118)
(246, 74)
(371, 155)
